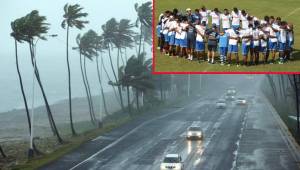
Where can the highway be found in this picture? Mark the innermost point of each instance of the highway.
(236, 138)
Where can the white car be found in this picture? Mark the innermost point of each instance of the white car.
(231, 91)
(241, 101)
(221, 104)
(172, 161)
(194, 132)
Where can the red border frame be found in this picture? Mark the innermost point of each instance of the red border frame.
(153, 57)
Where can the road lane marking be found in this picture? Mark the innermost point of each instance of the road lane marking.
(124, 136)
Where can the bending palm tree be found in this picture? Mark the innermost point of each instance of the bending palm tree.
(35, 27)
(144, 13)
(72, 19)
(110, 31)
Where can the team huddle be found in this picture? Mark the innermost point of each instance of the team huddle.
(189, 35)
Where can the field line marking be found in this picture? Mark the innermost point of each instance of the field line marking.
(293, 12)
(126, 135)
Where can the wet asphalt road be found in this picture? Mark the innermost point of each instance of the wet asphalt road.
(235, 138)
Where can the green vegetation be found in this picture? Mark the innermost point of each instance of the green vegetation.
(288, 10)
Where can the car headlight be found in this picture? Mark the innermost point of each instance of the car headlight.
(189, 133)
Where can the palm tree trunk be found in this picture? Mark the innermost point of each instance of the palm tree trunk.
(116, 79)
(84, 83)
(101, 87)
(141, 36)
(137, 99)
(22, 87)
(70, 89)
(2, 152)
(128, 99)
(107, 75)
(88, 88)
(50, 116)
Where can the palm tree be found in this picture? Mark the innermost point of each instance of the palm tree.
(99, 45)
(87, 48)
(137, 74)
(144, 13)
(110, 38)
(72, 18)
(34, 29)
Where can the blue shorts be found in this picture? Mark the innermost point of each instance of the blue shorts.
(282, 46)
(245, 49)
(172, 40)
(167, 38)
(200, 46)
(233, 49)
(273, 46)
(263, 49)
(183, 43)
(223, 51)
(235, 27)
(177, 42)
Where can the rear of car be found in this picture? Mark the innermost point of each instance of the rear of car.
(172, 161)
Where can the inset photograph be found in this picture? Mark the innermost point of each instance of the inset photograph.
(226, 36)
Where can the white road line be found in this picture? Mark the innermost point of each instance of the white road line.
(293, 12)
(123, 137)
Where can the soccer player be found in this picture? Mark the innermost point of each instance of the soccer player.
(204, 15)
(183, 36)
(263, 42)
(191, 40)
(215, 15)
(290, 41)
(244, 19)
(212, 43)
(235, 18)
(225, 18)
(282, 40)
(272, 39)
(178, 30)
(256, 42)
(171, 34)
(223, 46)
(165, 28)
(200, 46)
(233, 46)
(246, 36)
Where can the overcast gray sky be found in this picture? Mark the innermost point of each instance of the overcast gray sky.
(51, 54)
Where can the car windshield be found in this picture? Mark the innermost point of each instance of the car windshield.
(194, 129)
(171, 160)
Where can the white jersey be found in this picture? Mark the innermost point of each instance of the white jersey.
(178, 31)
(215, 18)
(282, 35)
(165, 26)
(201, 29)
(172, 27)
(245, 22)
(263, 42)
(232, 34)
(225, 20)
(235, 18)
(246, 33)
(272, 33)
(183, 32)
(255, 35)
(204, 16)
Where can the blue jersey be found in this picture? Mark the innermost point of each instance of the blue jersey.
(223, 40)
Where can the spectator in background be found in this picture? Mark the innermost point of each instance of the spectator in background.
(215, 15)
(235, 18)
(225, 18)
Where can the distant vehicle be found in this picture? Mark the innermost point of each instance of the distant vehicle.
(231, 91)
(221, 104)
(194, 132)
(172, 161)
(241, 101)
(230, 97)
